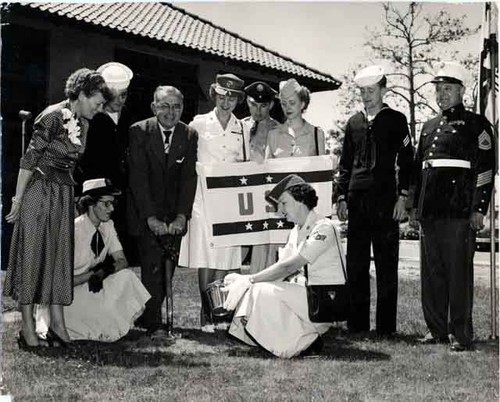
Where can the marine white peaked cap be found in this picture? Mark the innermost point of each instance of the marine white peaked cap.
(369, 76)
(451, 72)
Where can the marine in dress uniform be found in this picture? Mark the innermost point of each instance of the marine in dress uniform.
(454, 179)
(260, 101)
(376, 139)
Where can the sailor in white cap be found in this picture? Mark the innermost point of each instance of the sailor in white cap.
(376, 141)
(454, 168)
(107, 142)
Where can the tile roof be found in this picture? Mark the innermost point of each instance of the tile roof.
(164, 22)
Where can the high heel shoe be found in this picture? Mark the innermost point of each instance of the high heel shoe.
(53, 337)
(21, 342)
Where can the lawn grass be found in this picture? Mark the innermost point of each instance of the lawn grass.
(206, 367)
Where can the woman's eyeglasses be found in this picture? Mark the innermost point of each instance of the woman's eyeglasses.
(108, 204)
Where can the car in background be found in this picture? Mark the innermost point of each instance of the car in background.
(407, 232)
(483, 240)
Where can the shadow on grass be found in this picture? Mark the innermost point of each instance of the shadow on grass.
(151, 354)
(335, 349)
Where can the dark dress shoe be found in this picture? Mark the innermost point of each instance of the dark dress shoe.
(314, 348)
(429, 339)
(456, 346)
(55, 340)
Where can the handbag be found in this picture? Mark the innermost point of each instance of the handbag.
(328, 303)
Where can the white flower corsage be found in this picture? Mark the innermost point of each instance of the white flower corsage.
(70, 124)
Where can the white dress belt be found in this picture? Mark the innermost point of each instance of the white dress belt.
(458, 163)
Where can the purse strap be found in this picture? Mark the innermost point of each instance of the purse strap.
(342, 259)
(316, 140)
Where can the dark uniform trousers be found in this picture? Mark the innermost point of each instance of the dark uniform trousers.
(447, 277)
(371, 222)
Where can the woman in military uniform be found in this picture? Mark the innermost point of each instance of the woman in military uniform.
(273, 313)
(220, 139)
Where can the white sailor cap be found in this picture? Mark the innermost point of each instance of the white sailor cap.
(369, 76)
(116, 75)
(450, 72)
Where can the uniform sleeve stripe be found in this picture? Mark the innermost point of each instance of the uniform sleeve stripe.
(484, 178)
(406, 141)
(484, 141)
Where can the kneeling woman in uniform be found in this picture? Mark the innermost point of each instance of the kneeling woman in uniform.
(273, 313)
(107, 297)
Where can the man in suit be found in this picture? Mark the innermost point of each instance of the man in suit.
(162, 184)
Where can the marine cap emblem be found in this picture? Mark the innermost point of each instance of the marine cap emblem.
(260, 88)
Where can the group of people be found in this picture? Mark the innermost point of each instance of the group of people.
(145, 173)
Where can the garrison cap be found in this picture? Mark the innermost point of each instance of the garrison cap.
(289, 181)
(288, 88)
(260, 92)
(450, 72)
(369, 76)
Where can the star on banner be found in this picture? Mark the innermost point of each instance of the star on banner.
(243, 181)
(265, 225)
(269, 179)
(279, 224)
(248, 226)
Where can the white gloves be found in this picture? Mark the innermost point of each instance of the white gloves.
(235, 285)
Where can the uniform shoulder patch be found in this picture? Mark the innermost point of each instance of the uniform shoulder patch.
(320, 237)
(484, 141)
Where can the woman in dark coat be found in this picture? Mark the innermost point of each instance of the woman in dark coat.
(40, 266)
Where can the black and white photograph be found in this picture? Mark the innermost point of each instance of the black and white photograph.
(249, 201)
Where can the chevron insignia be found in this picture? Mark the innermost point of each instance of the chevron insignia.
(484, 141)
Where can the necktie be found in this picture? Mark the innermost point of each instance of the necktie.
(167, 134)
(97, 243)
(253, 129)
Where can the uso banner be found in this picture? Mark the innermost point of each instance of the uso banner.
(234, 197)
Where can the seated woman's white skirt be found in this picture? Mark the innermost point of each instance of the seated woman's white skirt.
(275, 316)
(108, 315)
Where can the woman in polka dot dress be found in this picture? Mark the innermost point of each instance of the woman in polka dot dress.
(40, 266)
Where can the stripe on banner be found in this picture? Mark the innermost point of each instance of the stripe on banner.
(484, 141)
(265, 178)
(222, 229)
(484, 178)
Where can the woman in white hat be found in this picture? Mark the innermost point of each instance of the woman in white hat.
(295, 137)
(40, 266)
(220, 139)
(107, 296)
